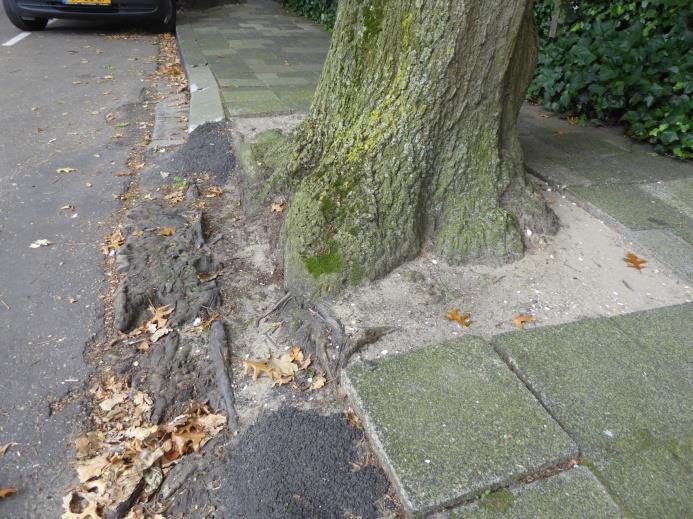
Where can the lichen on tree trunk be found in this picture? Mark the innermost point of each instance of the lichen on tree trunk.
(412, 140)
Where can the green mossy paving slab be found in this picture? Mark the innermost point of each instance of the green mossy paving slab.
(450, 421)
(633, 207)
(571, 494)
(622, 388)
(676, 193)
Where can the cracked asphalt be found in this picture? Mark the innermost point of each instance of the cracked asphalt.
(58, 87)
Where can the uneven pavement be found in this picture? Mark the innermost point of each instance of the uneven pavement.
(263, 61)
(586, 419)
(452, 421)
(58, 88)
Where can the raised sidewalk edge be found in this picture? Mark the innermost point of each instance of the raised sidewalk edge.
(205, 100)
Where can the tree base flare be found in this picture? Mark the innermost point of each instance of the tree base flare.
(411, 143)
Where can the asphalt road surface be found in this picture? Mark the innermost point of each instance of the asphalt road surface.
(56, 89)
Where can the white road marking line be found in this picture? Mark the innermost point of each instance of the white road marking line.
(16, 39)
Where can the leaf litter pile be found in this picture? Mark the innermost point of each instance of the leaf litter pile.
(123, 462)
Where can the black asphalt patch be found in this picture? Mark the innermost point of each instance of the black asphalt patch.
(208, 150)
(295, 463)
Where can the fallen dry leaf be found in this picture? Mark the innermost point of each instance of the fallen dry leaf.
(5, 447)
(158, 334)
(318, 382)
(110, 403)
(635, 262)
(167, 231)
(214, 192)
(176, 196)
(352, 418)
(160, 315)
(113, 242)
(278, 207)
(283, 365)
(523, 319)
(40, 243)
(462, 319)
(4, 492)
(296, 354)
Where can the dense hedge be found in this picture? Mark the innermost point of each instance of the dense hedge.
(619, 61)
(622, 61)
(321, 11)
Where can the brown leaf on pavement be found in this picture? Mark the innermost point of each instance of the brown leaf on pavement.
(523, 319)
(635, 262)
(4, 492)
(462, 319)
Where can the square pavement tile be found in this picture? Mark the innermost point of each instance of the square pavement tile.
(450, 421)
(622, 388)
(573, 493)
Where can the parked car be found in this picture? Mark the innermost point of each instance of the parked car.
(33, 15)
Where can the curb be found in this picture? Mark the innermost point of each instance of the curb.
(205, 100)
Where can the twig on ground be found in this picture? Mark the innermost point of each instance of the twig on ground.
(277, 306)
(362, 338)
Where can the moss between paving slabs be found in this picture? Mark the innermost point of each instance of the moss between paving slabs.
(450, 421)
(622, 388)
(570, 494)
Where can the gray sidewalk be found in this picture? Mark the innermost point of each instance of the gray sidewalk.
(647, 196)
(268, 62)
(265, 61)
(454, 422)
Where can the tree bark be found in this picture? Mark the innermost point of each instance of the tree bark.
(411, 141)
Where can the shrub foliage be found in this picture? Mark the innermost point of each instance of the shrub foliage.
(321, 11)
(619, 61)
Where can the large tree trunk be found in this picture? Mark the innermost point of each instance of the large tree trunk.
(412, 141)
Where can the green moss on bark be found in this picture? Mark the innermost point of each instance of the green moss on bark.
(411, 140)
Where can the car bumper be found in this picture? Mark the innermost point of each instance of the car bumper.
(131, 10)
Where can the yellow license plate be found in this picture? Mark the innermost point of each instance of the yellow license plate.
(88, 2)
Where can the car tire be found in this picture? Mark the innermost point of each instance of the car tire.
(168, 22)
(32, 24)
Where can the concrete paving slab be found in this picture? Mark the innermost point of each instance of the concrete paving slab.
(574, 493)
(244, 42)
(621, 387)
(592, 155)
(634, 208)
(675, 252)
(451, 421)
(205, 103)
(676, 193)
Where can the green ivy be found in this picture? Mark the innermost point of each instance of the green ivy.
(618, 61)
(321, 11)
(621, 61)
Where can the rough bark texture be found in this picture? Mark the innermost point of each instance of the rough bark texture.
(412, 139)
